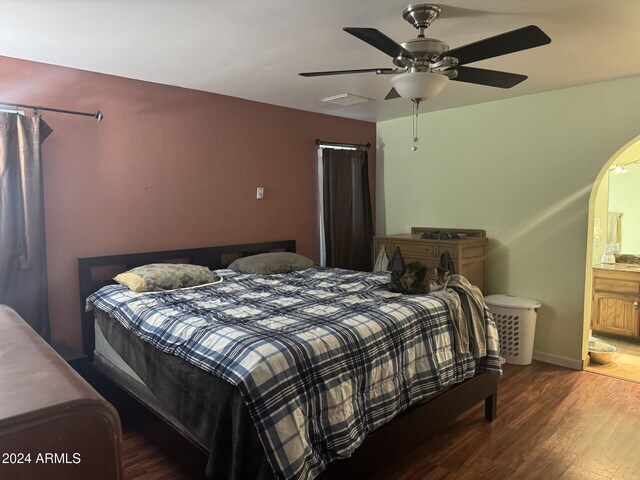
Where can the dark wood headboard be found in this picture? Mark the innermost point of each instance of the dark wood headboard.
(96, 272)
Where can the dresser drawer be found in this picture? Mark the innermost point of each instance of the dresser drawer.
(616, 286)
(416, 249)
(474, 251)
(452, 249)
(388, 247)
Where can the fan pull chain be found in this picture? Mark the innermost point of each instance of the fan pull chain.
(416, 104)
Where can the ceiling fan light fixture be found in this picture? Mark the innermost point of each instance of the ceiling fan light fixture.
(419, 85)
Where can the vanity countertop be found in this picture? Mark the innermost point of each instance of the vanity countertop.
(619, 267)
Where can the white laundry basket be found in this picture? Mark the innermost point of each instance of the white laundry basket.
(515, 318)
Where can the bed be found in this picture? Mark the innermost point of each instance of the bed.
(213, 401)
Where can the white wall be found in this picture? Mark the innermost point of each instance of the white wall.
(523, 170)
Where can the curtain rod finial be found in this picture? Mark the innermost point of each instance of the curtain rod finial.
(99, 116)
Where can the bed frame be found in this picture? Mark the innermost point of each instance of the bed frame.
(410, 429)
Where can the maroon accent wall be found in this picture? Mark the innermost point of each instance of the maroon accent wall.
(167, 168)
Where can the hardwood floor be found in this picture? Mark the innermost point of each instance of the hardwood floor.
(153, 451)
(553, 423)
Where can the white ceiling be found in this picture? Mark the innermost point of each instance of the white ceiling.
(255, 49)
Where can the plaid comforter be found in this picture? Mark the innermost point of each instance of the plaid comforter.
(321, 356)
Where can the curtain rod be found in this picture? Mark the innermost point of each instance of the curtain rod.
(98, 115)
(322, 142)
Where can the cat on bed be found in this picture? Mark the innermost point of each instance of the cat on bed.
(417, 278)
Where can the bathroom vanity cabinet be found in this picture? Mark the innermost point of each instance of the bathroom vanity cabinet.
(615, 300)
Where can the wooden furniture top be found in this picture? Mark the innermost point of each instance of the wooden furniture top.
(35, 376)
(470, 232)
(618, 267)
(452, 241)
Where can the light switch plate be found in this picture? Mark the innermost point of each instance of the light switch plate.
(260, 193)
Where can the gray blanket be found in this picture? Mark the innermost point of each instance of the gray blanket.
(209, 407)
(467, 307)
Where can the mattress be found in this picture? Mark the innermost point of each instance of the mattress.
(112, 360)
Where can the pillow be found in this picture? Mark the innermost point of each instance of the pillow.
(271, 263)
(156, 277)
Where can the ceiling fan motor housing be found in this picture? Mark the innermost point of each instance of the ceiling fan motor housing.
(423, 50)
(421, 16)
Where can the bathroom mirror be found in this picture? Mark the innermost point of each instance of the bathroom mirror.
(617, 213)
(623, 211)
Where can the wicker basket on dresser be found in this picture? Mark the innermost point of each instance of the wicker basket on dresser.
(468, 254)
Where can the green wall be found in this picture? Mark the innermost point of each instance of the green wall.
(522, 169)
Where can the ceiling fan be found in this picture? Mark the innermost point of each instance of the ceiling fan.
(425, 65)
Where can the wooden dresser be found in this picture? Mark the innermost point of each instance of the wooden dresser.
(615, 299)
(468, 254)
(52, 423)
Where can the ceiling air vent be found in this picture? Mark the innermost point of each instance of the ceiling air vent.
(346, 99)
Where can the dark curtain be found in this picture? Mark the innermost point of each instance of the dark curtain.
(348, 223)
(23, 262)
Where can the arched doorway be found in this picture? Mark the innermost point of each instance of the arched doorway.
(597, 225)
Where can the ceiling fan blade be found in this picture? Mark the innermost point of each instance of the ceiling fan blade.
(491, 78)
(508, 42)
(379, 40)
(345, 72)
(393, 93)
